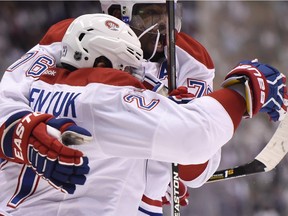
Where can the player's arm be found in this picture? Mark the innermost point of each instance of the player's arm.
(157, 123)
(17, 79)
(18, 141)
(260, 86)
(200, 172)
(36, 139)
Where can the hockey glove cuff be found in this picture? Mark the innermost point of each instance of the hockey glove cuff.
(264, 88)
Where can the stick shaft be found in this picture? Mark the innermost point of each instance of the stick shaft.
(171, 68)
(171, 48)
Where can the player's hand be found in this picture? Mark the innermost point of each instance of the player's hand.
(265, 88)
(181, 95)
(183, 195)
(35, 139)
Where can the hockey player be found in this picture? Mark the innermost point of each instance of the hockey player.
(127, 121)
(195, 70)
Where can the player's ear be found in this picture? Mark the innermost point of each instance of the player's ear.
(102, 61)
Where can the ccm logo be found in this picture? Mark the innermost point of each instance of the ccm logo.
(261, 83)
(259, 78)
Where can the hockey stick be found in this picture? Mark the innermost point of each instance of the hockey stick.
(266, 160)
(171, 68)
(171, 49)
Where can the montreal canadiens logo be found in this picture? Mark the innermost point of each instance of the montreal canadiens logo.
(112, 25)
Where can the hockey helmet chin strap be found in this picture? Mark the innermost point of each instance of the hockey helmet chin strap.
(157, 38)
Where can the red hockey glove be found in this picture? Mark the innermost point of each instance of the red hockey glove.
(183, 195)
(265, 88)
(35, 139)
(181, 95)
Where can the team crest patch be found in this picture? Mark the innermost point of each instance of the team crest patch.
(112, 25)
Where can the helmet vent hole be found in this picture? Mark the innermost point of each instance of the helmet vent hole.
(130, 50)
(85, 50)
(91, 29)
(130, 33)
(81, 36)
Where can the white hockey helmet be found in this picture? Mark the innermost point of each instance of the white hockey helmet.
(127, 13)
(91, 36)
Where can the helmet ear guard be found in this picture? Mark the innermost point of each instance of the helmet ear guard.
(102, 61)
(91, 36)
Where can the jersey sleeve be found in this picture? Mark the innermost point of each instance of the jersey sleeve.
(17, 79)
(195, 176)
(195, 67)
(199, 129)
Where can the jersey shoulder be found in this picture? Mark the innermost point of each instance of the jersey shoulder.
(85, 76)
(194, 48)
